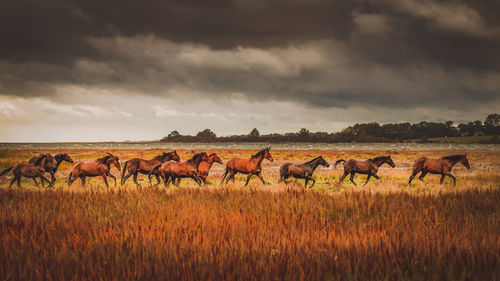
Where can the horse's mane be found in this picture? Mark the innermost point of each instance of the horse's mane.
(259, 153)
(59, 156)
(196, 156)
(379, 158)
(104, 159)
(309, 162)
(454, 157)
(40, 159)
(212, 154)
(159, 156)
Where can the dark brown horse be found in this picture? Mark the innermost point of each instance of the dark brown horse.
(94, 168)
(32, 171)
(204, 167)
(171, 170)
(135, 166)
(301, 171)
(441, 166)
(51, 165)
(251, 166)
(368, 167)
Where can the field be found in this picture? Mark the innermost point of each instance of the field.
(383, 231)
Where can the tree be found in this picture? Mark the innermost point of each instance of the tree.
(174, 134)
(255, 133)
(492, 124)
(206, 134)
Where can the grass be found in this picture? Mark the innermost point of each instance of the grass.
(263, 232)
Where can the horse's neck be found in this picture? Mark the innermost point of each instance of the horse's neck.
(378, 162)
(452, 162)
(259, 159)
(58, 162)
(314, 164)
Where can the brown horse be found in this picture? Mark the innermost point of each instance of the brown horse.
(437, 166)
(171, 170)
(135, 166)
(204, 167)
(27, 170)
(251, 166)
(51, 165)
(368, 167)
(94, 168)
(301, 171)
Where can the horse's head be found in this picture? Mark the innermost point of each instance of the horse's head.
(215, 158)
(174, 156)
(267, 154)
(67, 158)
(389, 161)
(465, 162)
(323, 162)
(115, 160)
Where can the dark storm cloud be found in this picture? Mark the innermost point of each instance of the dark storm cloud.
(392, 53)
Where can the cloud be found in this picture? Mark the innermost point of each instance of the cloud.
(95, 60)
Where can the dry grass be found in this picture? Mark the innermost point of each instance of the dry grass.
(272, 232)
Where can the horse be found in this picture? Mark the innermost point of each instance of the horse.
(135, 166)
(204, 167)
(189, 169)
(27, 170)
(94, 168)
(51, 165)
(301, 171)
(251, 166)
(441, 166)
(369, 167)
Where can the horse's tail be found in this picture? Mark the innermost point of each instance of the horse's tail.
(224, 176)
(154, 170)
(69, 178)
(338, 162)
(124, 170)
(6, 171)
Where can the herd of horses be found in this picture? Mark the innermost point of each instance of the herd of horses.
(169, 167)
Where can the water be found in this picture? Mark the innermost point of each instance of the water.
(279, 146)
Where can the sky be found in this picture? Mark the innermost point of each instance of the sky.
(93, 70)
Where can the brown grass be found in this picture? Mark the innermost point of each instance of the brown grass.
(272, 232)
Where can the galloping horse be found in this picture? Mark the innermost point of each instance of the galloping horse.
(204, 167)
(51, 165)
(437, 166)
(27, 170)
(94, 168)
(137, 165)
(301, 171)
(171, 170)
(369, 167)
(250, 166)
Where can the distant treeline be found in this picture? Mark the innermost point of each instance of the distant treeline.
(366, 132)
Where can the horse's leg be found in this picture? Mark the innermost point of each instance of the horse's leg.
(196, 179)
(124, 179)
(343, 177)
(105, 180)
(422, 175)
(111, 175)
(157, 179)
(52, 178)
(454, 180)
(176, 181)
(14, 179)
(368, 178)
(34, 180)
(352, 178)
(83, 180)
(135, 179)
(44, 178)
(314, 182)
(248, 178)
(261, 178)
(166, 180)
(19, 182)
(224, 177)
(442, 179)
(231, 176)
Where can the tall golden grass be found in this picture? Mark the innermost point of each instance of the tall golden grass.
(253, 234)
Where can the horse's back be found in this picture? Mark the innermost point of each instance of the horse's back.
(284, 168)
